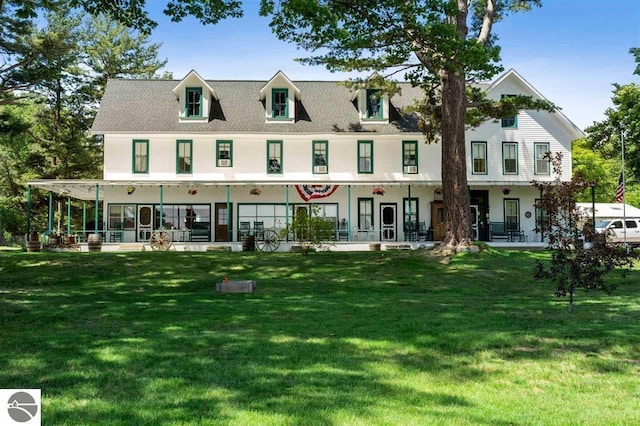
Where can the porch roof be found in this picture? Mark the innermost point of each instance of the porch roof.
(85, 189)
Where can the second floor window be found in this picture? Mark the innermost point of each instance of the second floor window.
(320, 157)
(223, 153)
(365, 156)
(410, 157)
(479, 158)
(140, 156)
(280, 101)
(510, 158)
(193, 107)
(541, 166)
(184, 156)
(274, 157)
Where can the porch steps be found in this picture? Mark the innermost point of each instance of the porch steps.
(131, 247)
(398, 246)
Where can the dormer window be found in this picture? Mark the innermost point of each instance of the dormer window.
(280, 103)
(374, 104)
(193, 102)
(194, 99)
(279, 97)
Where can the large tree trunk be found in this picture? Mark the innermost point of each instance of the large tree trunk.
(457, 215)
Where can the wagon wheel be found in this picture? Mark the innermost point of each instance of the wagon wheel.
(160, 240)
(270, 242)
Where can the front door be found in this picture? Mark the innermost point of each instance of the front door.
(388, 222)
(479, 200)
(437, 220)
(145, 224)
(223, 222)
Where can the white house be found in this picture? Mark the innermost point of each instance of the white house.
(213, 160)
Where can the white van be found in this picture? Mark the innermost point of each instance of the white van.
(616, 228)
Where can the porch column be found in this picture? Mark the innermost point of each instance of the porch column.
(161, 207)
(68, 215)
(349, 224)
(50, 215)
(286, 213)
(540, 219)
(229, 213)
(28, 211)
(84, 219)
(96, 227)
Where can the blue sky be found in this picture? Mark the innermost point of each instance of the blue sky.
(571, 51)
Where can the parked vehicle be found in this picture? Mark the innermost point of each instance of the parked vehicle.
(616, 229)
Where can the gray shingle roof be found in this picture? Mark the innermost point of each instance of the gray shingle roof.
(325, 107)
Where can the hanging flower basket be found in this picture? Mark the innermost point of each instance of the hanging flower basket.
(131, 189)
(506, 190)
(192, 191)
(378, 191)
(438, 190)
(255, 191)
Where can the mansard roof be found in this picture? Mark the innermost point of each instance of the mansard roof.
(134, 105)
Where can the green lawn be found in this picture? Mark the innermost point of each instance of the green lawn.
(365, 338)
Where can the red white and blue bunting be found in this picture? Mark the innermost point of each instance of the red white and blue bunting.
(310, 192)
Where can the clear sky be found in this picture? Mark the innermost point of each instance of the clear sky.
(571, 51)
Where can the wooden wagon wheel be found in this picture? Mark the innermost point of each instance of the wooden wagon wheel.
(160, 240)
(270, 242)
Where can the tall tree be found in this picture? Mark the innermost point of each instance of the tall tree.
(440, 45)
(23, 49)
(114, 51)
(46, 134)
(621, 121)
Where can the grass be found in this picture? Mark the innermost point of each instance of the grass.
(369, 338)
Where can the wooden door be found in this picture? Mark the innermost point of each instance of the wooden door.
(437, 220)
(223, 222)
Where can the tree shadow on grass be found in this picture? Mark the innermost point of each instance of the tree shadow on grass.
(146, 339)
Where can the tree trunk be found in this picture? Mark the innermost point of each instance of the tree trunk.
(457, 214)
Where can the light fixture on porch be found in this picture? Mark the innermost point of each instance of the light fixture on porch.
(378, 190)
(131, 189)
(255, 191)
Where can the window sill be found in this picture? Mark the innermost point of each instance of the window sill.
(280, 120)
